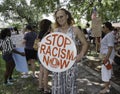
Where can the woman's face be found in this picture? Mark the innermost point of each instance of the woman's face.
(61, 17)
(105, 29)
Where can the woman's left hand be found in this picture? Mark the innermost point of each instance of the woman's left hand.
(78, 57)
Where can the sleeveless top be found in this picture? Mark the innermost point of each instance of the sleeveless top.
(65, 82)
(69, 32)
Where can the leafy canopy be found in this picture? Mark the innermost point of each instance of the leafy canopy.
(20, 10)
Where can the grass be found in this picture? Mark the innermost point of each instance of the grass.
(21, 86)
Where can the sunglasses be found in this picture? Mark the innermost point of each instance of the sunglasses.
(60, 17)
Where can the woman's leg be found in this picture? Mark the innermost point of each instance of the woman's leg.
(32, 65)
(6, 74)
(45, 79)
(41, 77)
(106, 76)
(107, 84)
(7, 71)
(106, 88)
(12, 66)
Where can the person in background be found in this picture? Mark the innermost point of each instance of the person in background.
(31, 54)
(86, 34)
(79, 27)
(116, 37)
(65, 82)
(16, 30)
(7, 48)
(103, 33)
(117, 58)
(45, 28)
(20, 61)
(89, 31)
(107, 53)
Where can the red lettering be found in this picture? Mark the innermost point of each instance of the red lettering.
(60, 40)
(48, 50)
(54, 38)
(48, 40)
(59, 52)
(54, 51)
(42, 48)
(70, 55)
(64, 63)
(46, 59)
(63, 53)
(54, 62)
(67, 42)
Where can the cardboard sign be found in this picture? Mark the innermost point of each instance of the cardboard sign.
(20, 61)
(57, 52)
(96, 27)
(17, 40)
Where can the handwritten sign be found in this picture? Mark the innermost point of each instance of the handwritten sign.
(20, 61)
(17, 40)
(96, 27)
(57, 52)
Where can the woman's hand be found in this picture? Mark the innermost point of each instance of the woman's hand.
(22, 54)
(78, 57)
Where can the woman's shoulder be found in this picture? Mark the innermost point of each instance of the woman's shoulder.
(76, 30)
(74, 27)
(110, 35)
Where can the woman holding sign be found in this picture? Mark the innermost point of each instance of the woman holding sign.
(65, 82)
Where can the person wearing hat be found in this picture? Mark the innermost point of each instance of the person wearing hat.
(107, 55)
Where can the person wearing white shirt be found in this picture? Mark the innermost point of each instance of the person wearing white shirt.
(107, 52)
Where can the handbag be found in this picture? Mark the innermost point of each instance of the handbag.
(37, 40)
(107, 64)
(35, 45)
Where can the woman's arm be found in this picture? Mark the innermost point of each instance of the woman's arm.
(17, 52)
(109, 51)
(24, 41)
(79, 34)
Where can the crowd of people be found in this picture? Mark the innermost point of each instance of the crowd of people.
(62, 82)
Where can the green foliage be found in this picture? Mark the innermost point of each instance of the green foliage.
(20, 10)
(108, 10)
(45, 6)
(18, 25)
